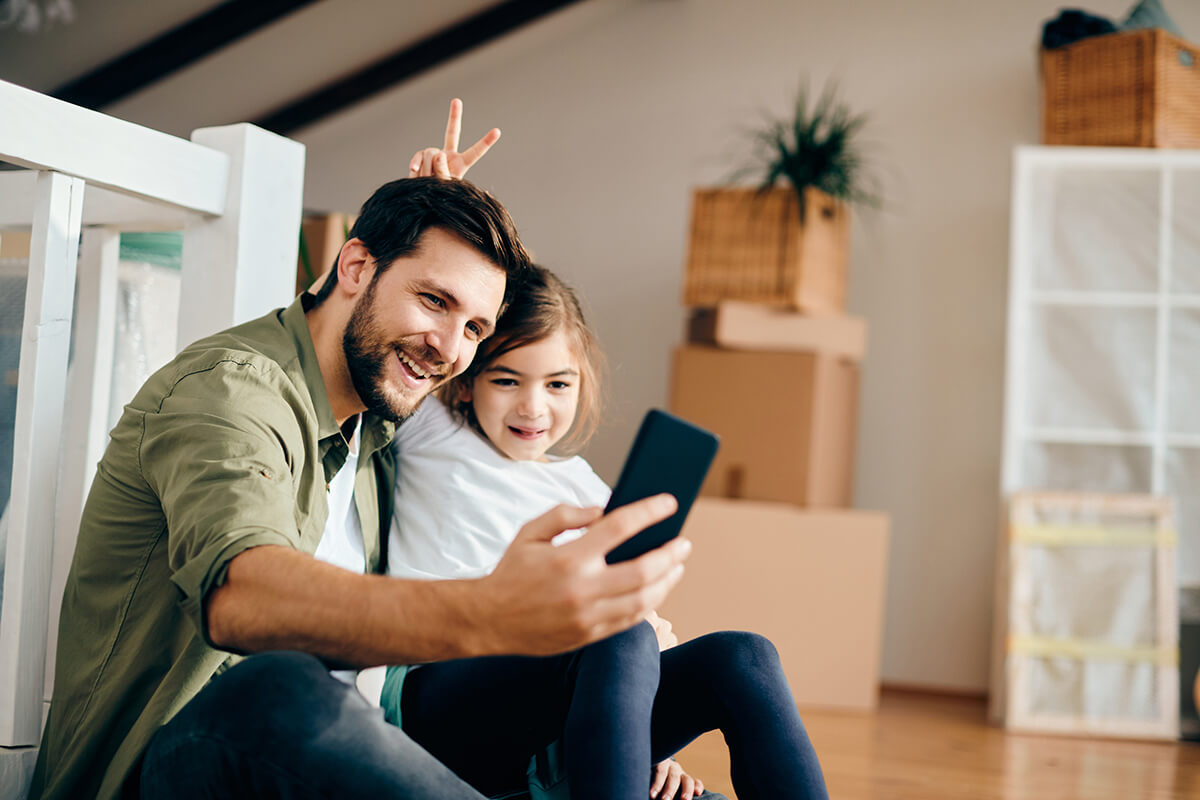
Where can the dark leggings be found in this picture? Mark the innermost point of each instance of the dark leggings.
(618, 706)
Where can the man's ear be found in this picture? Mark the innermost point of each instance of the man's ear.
(355, 266)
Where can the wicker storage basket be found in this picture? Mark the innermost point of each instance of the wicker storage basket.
(1134, 89)
(748, 245)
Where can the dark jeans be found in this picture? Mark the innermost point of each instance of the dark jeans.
(278, 725)
(618, 706)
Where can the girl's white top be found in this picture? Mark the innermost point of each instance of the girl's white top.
(460, 501)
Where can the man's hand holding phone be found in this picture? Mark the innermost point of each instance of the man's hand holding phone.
(543, 599)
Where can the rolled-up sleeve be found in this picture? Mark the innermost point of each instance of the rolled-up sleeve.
(220, 454)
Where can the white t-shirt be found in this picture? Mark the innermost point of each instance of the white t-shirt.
(342, 542)
(460, 501)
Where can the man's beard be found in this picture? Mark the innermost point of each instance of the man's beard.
(367, 353)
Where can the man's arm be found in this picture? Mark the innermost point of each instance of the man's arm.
(540, 599)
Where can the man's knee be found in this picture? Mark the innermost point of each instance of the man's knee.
(278, 675)
(266, 694)
(281, 720)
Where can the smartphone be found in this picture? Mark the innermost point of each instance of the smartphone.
(669, 455)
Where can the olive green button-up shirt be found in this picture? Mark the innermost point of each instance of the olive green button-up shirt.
(229, 446)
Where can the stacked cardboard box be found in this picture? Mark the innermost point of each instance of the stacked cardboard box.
(777, 548)
(810, 580)
(321, 239)
(781, 390)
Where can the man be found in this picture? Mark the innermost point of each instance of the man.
(197, 536)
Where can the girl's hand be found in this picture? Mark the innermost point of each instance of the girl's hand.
(662, 629)
(669, 777)
(444, 163)
(447, 162)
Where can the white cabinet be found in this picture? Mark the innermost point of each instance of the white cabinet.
(1103, 382)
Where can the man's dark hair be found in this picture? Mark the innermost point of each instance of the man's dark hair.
(395, 217)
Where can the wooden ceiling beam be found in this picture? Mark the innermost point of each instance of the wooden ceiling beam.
(407, 63)
(173, 50)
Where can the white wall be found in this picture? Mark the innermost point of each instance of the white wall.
(614, 109)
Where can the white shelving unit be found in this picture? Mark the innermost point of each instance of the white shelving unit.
(1103, 386)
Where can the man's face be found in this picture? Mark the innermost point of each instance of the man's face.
(419, 323)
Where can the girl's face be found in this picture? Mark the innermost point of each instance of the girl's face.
(525, 400)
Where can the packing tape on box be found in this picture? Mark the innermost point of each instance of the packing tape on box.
(1084, 650)
(1092, 536)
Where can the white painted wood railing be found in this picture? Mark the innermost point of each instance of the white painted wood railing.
(235, 191)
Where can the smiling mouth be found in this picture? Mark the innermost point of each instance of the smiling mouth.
(413, 368)
(526, 433)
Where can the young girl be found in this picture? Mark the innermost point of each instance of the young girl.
(468, 477)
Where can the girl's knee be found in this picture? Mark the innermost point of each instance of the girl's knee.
(638, 639)
(636, 648)
(756, 647)
(741, 652)
(644, 645)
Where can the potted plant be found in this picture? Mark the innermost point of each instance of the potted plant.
(784, 243)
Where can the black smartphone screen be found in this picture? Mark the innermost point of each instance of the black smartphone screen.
(669, 455)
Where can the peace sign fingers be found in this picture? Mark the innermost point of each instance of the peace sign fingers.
(447, 162)
(476, 151)
(458, 163)
(453, 126)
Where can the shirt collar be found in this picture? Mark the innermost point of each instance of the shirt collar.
(376, 431)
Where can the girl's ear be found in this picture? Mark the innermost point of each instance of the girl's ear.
(464, 392)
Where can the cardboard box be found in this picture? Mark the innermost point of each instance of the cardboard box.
(324, 235)
(747, 326)
(14, 244)
(787, 422)
(813, 582)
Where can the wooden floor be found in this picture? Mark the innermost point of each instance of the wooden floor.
(926, 747)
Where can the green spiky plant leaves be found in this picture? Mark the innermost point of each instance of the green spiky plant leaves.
(817, 146)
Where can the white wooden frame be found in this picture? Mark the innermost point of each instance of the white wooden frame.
(236, 192)
(1023, 299)
(1015, 666)
(40, 396)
